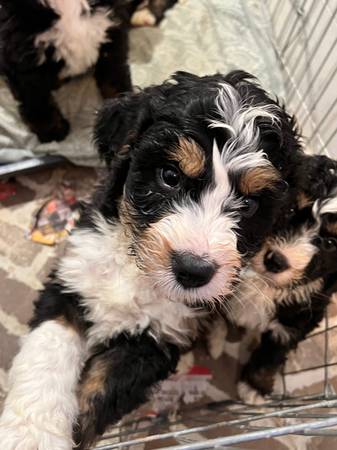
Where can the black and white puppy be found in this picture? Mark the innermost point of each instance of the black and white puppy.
(46, 41)
(197, 168)
(287, 288)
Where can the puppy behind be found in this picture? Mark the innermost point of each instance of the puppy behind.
(44, 42)
(286, 290)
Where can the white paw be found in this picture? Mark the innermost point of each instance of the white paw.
(17, 434)
(250, 395)
(143, 18)
(186, 362)
(216, 339)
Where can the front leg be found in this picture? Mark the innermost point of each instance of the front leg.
(258, 375)
(293, 322)
(112, 70)
(38, 109)
(117, 380)
(41, 405)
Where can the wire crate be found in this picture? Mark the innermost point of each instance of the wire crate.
(303, 34)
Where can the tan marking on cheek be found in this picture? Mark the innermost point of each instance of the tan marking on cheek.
(190, 157)
(303, 200)
(298, 257)
(153, 251)
(127, 218)
(331, 227)
(256, 179)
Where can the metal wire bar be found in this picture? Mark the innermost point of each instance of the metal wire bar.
(297, 20)
(326, 355)
(256, 435)
(331, 137)
(321, 92)
(303, 22)
(308, 369)
(307, 32)
(293, 8)
(315, 76)
(316, 333)
(227, 423)
(316, 47)
(323, 147)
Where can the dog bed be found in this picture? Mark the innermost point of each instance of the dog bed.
(200, 36)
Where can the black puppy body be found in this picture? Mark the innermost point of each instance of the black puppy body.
(46, 41)
(290, 281)
(197, 169)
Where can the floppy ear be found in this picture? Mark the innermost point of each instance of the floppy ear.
(119, 124)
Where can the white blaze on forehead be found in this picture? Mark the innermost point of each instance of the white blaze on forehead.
(239, 119)
(327, 206)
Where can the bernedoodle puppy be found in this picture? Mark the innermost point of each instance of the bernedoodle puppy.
(288, 285)
(197, 170)
(45, 42)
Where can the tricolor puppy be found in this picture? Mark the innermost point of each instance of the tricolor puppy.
(285, 292)
(44, 42)
(197, 168)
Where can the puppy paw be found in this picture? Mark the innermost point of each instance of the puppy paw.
(249, 395)
(55, 131)
(216, 339)
(186, 362)
(143, 18)
(18, 434)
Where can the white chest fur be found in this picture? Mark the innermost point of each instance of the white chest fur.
(77, 35)
(117, 295)
(254, 304)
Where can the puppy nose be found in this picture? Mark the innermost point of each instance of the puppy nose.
(275, 262)
(190, 270)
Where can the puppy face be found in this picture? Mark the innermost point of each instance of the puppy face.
(199, 191)
(304, 245)
(284, 259)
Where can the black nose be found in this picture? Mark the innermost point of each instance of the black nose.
(190, 270)
(275, 262)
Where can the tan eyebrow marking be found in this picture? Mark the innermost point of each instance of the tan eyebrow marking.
(258, 178)
(303, 200)
(331, 227)
(190, 157)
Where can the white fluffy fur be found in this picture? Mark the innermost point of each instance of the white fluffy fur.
(41, 405)
(327, 206)
(119, 297)
(239, 119)
(254, 303)
(76, 36)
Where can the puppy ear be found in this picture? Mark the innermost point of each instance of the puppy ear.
(119, 124)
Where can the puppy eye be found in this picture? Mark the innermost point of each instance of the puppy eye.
(170, 176)
(329, 245)
(249, 207)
